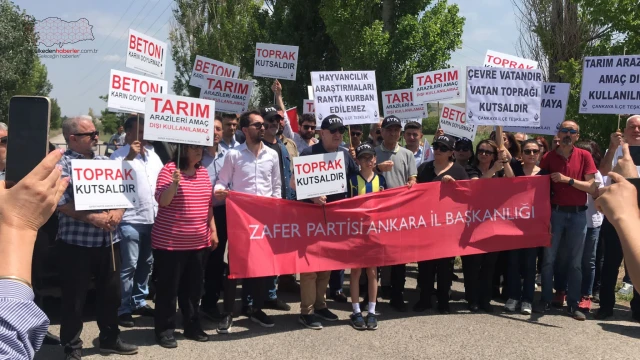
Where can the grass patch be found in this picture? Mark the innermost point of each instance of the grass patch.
(620, 297)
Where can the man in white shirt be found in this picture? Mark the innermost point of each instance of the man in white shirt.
(612, 247)
(4, 135)
(250, 168)
(135, 248)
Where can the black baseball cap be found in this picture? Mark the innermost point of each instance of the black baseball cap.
(270, 114)
(445, 140)
(332, 122)
(365, 149)
(390, 121)
(464, 142)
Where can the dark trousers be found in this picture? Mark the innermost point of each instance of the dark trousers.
(180, 273)
(214, 276)
(398, 276)
(255, 288)
(478, 281)
(500, 268)
(335, 281)
(612, 259)
(78, 264)
(599, 262)
(522, 266)
(428, 270)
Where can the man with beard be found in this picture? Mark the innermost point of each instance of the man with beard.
(572, 175)
(251, 168)
(375, 134)
(612, 246)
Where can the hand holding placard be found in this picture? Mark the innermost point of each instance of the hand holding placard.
(221, 195)
(134, 150)
(176, 177)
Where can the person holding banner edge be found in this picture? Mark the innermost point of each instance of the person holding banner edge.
(182, 237)
(89, 244)
(313, 285)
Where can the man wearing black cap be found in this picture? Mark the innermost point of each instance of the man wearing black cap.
(313, 285)
(399, 169)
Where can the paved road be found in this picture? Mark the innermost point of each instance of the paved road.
(461, 335)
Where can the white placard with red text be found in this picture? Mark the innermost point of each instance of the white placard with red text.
(308, 107)
(204, 66)
(276, 61)
(496, 59)
(319, 175)
(400, 103)
(179, 119)
(453, 121)
(103, 184)
(436, 85)
(553, 108)
(146, 54)
(230, 95)
(128, 92)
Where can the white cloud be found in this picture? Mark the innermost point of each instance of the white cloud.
(112, 58)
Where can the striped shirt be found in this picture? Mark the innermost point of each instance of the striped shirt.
(22, 324)
(76, 232)
(359, 186)
(184, 223)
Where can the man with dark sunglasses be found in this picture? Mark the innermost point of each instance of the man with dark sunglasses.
(4, 135)
(572, 174)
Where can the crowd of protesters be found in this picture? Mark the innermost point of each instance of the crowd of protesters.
(178, 229)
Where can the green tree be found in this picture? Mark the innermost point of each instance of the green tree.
(18, 49)
(216, 29)
(37, 84)
(110, 121)
(56, 119)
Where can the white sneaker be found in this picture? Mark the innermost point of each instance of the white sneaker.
(626, 289)
(525, 309)
(539, 279)
(511, 305)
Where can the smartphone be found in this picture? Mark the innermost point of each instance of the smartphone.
(636, 183)
(28, 140)
(634, 151)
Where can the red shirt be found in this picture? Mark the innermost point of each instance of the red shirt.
(184, 224)
(579, 164)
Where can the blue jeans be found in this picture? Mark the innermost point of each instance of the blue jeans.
(335, 281)
(271, 285)
(574, 228)
(137, 259)
(589, 260)
(522, 265)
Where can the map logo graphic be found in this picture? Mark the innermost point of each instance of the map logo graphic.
(55, 31)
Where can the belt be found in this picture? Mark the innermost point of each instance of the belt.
(569, 209)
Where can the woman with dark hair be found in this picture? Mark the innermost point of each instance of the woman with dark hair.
(478, 269)
(444, 169)
(463, 153)
(594, 221)
(522, 262)
(544, 146)
(182, 236)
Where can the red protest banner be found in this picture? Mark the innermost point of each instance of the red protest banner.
(271, 236)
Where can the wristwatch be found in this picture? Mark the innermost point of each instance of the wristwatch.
(571, 181)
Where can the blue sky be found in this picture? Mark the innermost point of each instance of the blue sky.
(77, 83)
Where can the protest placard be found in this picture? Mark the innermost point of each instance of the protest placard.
(146, 54)
(319, 175)
(127, 91)
(104, 184)
(230, 95)
(308, 107)
(610, 85)
(276, 61)
(400, 103)
(179, 119)
(554, 106)
(503, 97)
(436, 85)
(453, 122)
(496, 59)
(352, 95)
(204, 66)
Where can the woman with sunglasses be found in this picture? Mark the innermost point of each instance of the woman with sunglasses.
(183, 234)
(463, 153)
(478, 269)
(444, 169)
(521, 274)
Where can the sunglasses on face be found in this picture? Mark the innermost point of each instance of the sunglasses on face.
(441, 147)
(257, 125)
(378, 132)
(530, 151)
(271, 124)
(340, 130)
(485, 152)
(308, 127)
(356, 133)
(462, 148)
(93, 134)
(570, 131)
(3, 140)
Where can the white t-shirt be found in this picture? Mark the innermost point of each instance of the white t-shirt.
(617, 155)
(594, 217)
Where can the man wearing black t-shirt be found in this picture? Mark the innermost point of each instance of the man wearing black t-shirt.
(313, 285)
